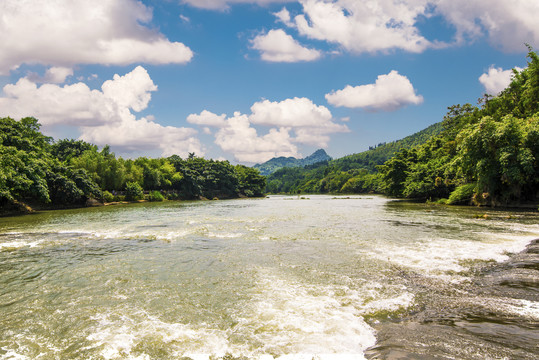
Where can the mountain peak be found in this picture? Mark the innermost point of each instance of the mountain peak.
(277, 163)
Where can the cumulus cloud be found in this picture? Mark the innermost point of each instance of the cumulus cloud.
(53, 75)
(389, 92)
(225, 4)
(311, 123)
(496, 79)
(291, 121)
(133, 135)
(364, 26)
(284, 17)
(102, 116)
(375, 26)
(63, 33)
(207, 118)
(507, 24)
(242, 140)
(295, 112)
(278, 46)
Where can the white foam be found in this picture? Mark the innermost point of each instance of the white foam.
(118, 337)
(12, 355)
(391, 304)
(438, 256)
(10, 245)
(297, 321)
(526, 308)
(224, 235)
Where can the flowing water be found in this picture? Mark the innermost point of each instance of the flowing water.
(281, 277)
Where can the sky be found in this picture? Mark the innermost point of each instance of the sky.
(249, 80)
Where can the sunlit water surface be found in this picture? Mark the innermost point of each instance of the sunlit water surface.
(280, 277)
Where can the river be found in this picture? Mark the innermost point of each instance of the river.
(281, 277)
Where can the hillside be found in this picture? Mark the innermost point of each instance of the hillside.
(379, 154)
(481, 155)
(308, 178)
(277, 163)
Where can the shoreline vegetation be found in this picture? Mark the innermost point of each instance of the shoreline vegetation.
(38, 173)
(486, 155)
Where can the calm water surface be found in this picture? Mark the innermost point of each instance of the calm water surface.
(282, 277)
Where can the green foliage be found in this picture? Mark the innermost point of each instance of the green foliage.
(492, 151)
(133, 191)
(156, 196)
(107, 196)
(250, 182)
(488, 154)
(462, 194)
(67, 149)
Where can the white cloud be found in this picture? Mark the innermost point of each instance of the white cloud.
(389, 92)
(225, 4)
(63, 33)
(184, 18)
(240, 139)
(102, 117)
(207, 118)
(53, 75)
(508, 24)
(284, 17)
(75, 105)
(309, 124)
(496, 79)
(373, 26)
(131, 91)
(364, 26)
(296, 112)
(278, 46)
(133, 135)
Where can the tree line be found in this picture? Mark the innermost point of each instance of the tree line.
(37, 171)
(484, 155)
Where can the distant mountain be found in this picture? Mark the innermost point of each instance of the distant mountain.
(277, 163)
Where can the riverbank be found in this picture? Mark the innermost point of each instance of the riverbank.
(18, 208)
(497, 306)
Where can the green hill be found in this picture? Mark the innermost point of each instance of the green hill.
(319, 177)
(482, 155)
(277, 163)
(377, 155)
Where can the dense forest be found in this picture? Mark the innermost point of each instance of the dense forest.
(484, 155)
(38, 172)
(331, 176)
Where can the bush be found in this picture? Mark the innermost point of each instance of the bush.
(463, 194)
(107, 196)
(173, 196)
(133, 191)
(156, 196)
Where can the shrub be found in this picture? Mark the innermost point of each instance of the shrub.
(172, 196)
(107, 196)
(156, 196)
(133, 191)
(463, 194)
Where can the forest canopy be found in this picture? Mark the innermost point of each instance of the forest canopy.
(37, 171)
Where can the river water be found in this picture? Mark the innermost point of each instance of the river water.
(281, 277)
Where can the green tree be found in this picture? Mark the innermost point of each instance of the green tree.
(133, 191)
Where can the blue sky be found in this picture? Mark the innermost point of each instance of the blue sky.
(248, 80)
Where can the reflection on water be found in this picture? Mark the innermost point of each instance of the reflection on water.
(281, 277)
